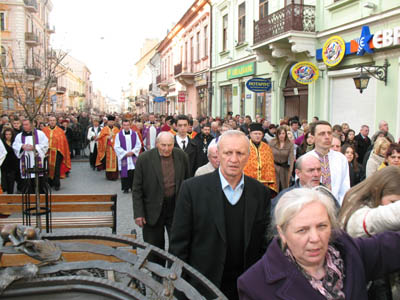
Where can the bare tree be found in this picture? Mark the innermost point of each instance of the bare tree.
(29, 86)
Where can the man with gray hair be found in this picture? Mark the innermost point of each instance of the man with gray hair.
(221, 218)
(213, 162)
(159, 174)
(308, 173)
(384, 127)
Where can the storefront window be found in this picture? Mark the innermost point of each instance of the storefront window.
(226, 95)
(263, 105)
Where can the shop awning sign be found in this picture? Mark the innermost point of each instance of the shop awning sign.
(159, 99)
(304, 72)
(366, 43)
(259, 85)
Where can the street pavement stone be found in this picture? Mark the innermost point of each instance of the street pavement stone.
(83, 180)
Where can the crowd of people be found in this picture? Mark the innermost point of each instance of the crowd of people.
(294, 210)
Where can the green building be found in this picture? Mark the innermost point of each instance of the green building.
(275, 35)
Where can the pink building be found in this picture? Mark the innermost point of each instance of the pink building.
(185, 63)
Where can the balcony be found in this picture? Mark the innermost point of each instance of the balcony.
(286, 33)
(61, 90)
(294, 17)
(31, 39)
(35, 72)
(31, 5)
(185, 78)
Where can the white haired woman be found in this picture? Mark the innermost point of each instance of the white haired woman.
(312, 259)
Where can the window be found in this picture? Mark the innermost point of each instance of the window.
(8, 99)
(263, 9)
(2, 21)
(205, 41)
(226, 103)
(3, 60)
(191, 54)
(186, 56)
(242, 23)
(198, 46)
(224, 33)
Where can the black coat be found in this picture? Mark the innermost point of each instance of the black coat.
(198, 231)
(191, 151)
(202, 156)
(362, 147)
(148, 184)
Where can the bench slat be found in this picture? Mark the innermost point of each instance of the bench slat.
(17, 198)
(77, 207)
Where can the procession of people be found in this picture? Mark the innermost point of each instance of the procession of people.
(294, 210)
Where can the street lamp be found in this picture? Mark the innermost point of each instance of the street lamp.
(378, 72)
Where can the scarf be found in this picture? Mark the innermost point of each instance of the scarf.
(331, 286)
(124, 161)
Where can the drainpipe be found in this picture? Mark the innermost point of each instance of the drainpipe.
(210, 89)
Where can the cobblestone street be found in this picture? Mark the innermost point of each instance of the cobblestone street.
(83, 180)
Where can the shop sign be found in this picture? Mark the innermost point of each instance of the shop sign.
(240, 71)
(181, 96)
(304, 72)
(259, 85)
(200, 80)
(333, 51)
(159, 99)
(366, 43)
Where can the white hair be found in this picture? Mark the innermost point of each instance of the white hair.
(211, 146)
(162, 134)
(290, 204)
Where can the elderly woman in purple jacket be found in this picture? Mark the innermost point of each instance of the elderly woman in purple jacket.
(312, 259)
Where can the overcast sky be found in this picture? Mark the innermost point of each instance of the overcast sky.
(107, 35)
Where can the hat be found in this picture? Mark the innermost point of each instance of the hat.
(63, 121)
(110, 118)
(256, 127)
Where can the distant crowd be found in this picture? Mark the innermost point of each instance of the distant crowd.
(258, 208)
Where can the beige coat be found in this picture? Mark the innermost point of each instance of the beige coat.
(284, 155)
(373, 163)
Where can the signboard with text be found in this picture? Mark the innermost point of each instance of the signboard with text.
(240, 71)
(259, 85)
(181, 96)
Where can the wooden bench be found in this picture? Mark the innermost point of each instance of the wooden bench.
(64, 203)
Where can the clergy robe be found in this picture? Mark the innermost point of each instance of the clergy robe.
(27, 158)
(57, 143)
(105, 152)
(260, 165)
(150, 133)
(3, 154)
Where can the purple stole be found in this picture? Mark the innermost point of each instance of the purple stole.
(38, 159)
(124, 161)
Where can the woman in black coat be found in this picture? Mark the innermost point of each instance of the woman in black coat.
(10, 168)
(354, 168)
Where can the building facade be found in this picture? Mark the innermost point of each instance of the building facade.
(234, 62)
(25, 34)
(184, 77)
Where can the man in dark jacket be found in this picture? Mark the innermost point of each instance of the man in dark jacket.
(363, 143)
(183, 142)
(158, 177)
(203, 140)
(221, 218)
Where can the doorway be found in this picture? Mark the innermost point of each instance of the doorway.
(296, 99)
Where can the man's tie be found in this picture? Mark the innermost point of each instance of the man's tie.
(183, 145)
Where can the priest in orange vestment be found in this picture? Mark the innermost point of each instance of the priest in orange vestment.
(59, 156)
(260, 165)
(106, 156)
